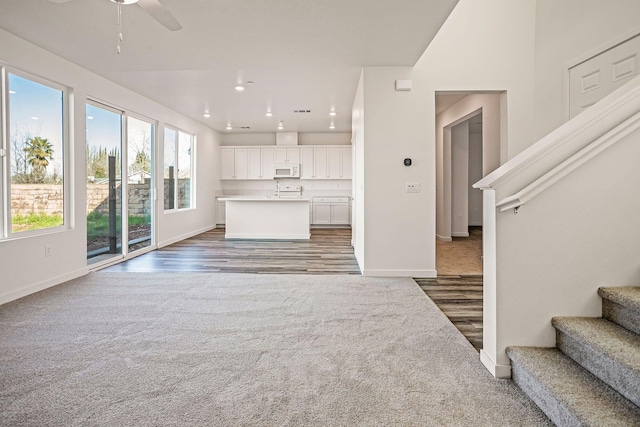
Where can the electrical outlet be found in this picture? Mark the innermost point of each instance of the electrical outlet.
(413, 187)
(47, 250)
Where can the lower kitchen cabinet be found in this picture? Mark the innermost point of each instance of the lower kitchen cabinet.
(221, 213)
(331, 210)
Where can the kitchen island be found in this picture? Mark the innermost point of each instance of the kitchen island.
(261, 217)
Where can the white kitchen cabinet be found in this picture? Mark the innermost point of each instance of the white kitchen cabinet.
(321, 213)
(306, 163)
(316, 162)
(339, 163)
(227, 163)
(286, 155)
(254, 163)
(233, 163)
(266, 163)
(221, 213)
(340, 213)
(331, 210)
(246, 163)
(346, 164)
(320, 163)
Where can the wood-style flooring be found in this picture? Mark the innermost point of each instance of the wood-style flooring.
(457, 290)
(328, 251)
(460, 299)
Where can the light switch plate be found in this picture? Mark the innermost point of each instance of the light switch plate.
(413, 187)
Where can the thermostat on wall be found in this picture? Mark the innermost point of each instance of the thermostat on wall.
(404, 84)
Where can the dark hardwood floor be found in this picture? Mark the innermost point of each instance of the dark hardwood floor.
(328, 251)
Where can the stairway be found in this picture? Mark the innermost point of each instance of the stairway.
(592, 376)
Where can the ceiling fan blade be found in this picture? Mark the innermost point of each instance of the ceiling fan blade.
(160, 14)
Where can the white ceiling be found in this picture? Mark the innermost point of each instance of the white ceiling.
(300, 54)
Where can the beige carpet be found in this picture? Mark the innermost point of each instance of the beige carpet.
(123, 349)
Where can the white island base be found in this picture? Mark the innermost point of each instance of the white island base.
(267, 218)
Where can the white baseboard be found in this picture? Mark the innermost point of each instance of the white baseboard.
(444, 238)
(498, 371)
(460, 234)
(41, 286)
(400, 273)
(268, 236)
(185, 236)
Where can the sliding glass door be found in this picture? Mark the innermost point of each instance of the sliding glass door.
(140, 197)
(107, 157)
(104, 183)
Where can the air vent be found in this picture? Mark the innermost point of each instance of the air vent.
(245, 127)
(302, 111)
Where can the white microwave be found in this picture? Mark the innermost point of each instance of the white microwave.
(286, 170)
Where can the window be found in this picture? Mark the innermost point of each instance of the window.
(33, 150)
(178, 183)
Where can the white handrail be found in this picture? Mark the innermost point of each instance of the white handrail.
(570, 164)
(568, 147)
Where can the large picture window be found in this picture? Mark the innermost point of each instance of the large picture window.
(34, 154)
(179, 151)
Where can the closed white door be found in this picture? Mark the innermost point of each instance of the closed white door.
(595, 78)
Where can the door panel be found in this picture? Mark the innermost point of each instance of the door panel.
(592, 80)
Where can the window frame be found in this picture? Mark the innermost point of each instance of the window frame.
(5, 155)
(192, 164)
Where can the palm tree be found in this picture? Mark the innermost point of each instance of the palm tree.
(39, 151)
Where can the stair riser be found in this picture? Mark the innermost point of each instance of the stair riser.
(626, 317)
(620, 378)
(551, 407)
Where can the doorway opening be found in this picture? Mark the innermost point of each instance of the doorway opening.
(469, 131)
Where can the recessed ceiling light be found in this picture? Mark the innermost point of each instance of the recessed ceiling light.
(12, 92)
(35, 118)
(332, 126)
(239, 88)
(206, 114)
(332, 113)
(229, 127)
(269, 114)
(89, 117)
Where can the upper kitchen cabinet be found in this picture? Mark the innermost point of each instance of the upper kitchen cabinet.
(246, 163)
(325, 163)
(260, 163)
(233, 163)
(286, 155)
(316, 162)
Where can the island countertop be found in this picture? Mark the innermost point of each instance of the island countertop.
(262, 199)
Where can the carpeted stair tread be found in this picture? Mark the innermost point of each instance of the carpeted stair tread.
(607, 350)
(568, 393)
(621, 305)
(629, 296)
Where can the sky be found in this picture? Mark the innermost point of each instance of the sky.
(37, 110)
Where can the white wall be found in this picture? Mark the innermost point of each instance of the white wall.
(475, 174)
(566, 31)
(485, 46)
(460, 180)
(68, 260)
(398, 226)
(358, 183)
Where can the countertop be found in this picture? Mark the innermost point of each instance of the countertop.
(263, 199)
